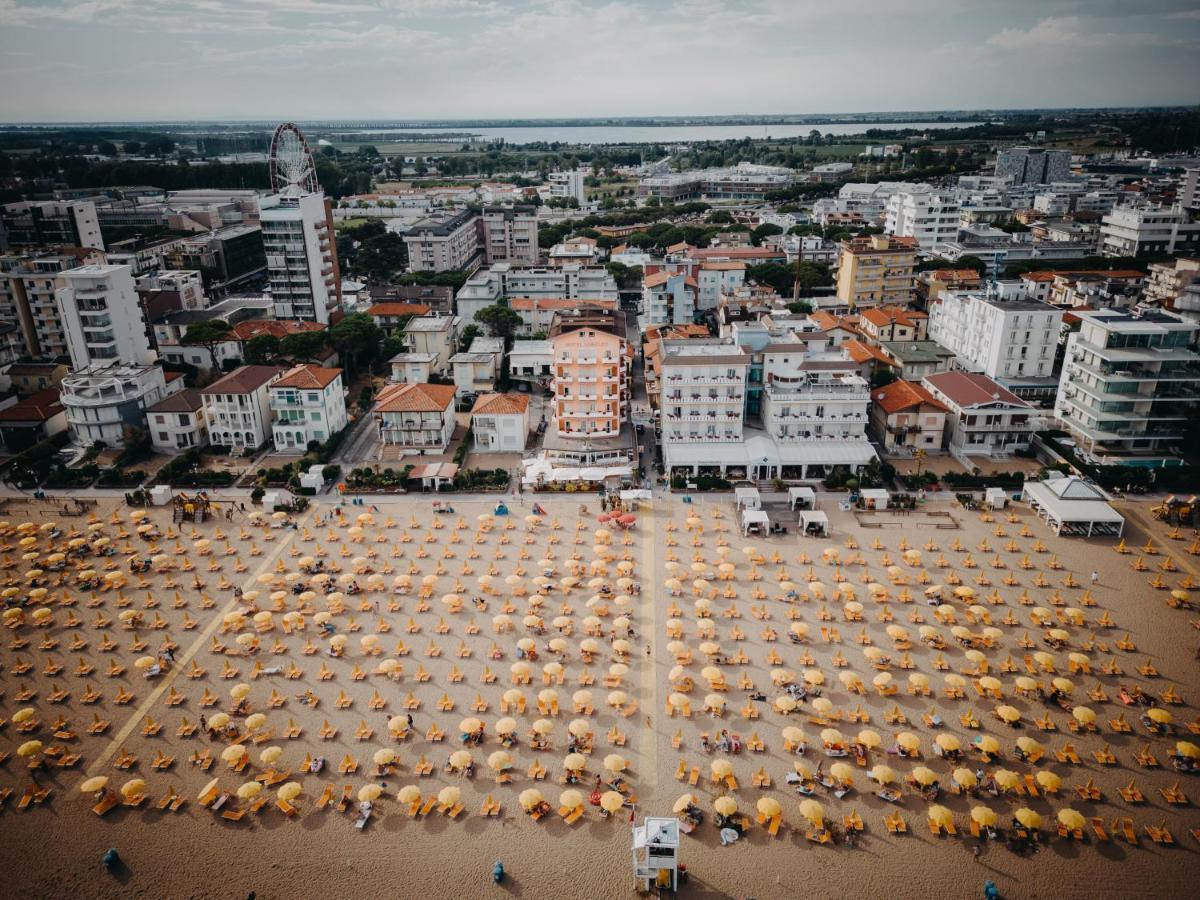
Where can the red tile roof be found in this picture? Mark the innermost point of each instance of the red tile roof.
(415, 398)
(972, 389)
(37, 407)
(279, 328)
(308, 376)
(245, 380)
(187, 400)
(399, 309)
(860, 353)
(500, 404)
(900, 395)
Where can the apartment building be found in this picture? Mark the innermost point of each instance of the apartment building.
(983, 417)
(172, 289)
(877, 270)
(580, 251)
(309, 403)
(104, 401)
(928, 217)
(905, 418)
(393, 316)
(500, 423)
(412, 368)
(102, 317)
(233, 256)
(444, 243)
(1134, 230)
(237, 408)
(568, 185)
(745, 181)
(702, 393)
(176, 423)
(29, 286)
(1033, 165)
(301, 256)
(476, 369)
(880, 324)
(1189, 189)
(1130, 383)
(569, 282)
(717, 278)
(590, 385)
(1168, 280)
(1012, 341)
(510, 234)
(668, 298)
(417, 418)
(537, 313)
(436, 335)
(50, 223)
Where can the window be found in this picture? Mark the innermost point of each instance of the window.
(160, 420)
(184, 419)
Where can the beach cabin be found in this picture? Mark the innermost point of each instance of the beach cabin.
(1071, 506)
(814, 523)
(656, 853)
(747, 498)
(996, 498)
(755, 521)
(802, 498)
(874, 498)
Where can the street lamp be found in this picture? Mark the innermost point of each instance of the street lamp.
(920, 455)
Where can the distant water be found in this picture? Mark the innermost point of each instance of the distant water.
(657, 134)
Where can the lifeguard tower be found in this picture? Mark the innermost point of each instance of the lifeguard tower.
(656, 853)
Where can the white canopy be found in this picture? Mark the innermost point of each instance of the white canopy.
(816, 519)
(752, 518)
(804, 497)
(1074, 507)
(747, 498)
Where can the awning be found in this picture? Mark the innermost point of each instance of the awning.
(761, 450)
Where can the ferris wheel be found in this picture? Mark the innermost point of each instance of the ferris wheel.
(291, 163)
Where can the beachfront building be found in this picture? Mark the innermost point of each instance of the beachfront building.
(309, 404)
(29, 286)
(237, 408)
(1130, 383)
(877, 270)
(102, 318)
(702, 388)
(104, 401)
(176, 423)
(500, 423)
(301, 253)
(417, 418)
(984, 418)
(905, 418)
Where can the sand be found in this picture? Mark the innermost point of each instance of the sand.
(56, 848)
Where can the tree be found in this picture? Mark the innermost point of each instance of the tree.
(303, 346)
(777, 276)
(721, 217)
(261, 349)
(382, 256)
(971, 262)
(469, 334)
(500, 320)
(106, 148)
(799, 308)
(207, 334)
(759, 234)
(357, 338)
(626, 277)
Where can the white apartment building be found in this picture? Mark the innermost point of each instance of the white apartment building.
(1168, 280)
(568, 185)
(309, 403)
(1013, 341)
(567, 282)
(985, 418)
(302, 267)
(927, 216)
(418, 418)
(500, 423)
(102, 318)
(668, 298)
(1189, 189)
(530, 359)
(176, 423)
(29, 288)
(510, 234)
(444, 243)
(477, 368)
(237, 408)
(187, 283)
(702, 397)
(1130, 382)
(412, 368)
(717, 278)
(1134, 230)
(102, 401)
(436, 335)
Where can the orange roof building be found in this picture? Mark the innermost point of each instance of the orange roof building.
(500, 423)
(418, 418)
(906, 417)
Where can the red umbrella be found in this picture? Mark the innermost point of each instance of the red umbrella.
(627, 519)
(603, 517)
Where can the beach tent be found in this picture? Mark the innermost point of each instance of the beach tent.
(1071, 506)
(814, 521)
(755, 520)
(996, 498)
(874, 498)
(747, 498)
(802, 498)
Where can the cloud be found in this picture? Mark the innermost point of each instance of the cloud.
(1073, 31)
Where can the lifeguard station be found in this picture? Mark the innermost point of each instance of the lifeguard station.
(656, 853)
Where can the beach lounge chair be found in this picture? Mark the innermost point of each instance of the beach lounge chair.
(1098, 828)
(427, 808)
(234, 815)
(326, 797)
(111, 799)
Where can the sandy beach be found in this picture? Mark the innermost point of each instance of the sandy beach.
(55, 847)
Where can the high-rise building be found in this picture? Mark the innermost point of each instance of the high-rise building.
(877, 270)
(28, 288)
(509, 234)
(1033, 165)
(302, 266)
(443, 243)
(1189, 189)
(1138, 229)
(568, 185)
(50, 223)
(232, 258)
(102, 317)
(926, 216)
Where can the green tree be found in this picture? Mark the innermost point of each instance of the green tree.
(207, 334)
(499, 320)
(303, 346)
(382, 256)
(759, 234)
(357, 338)
(721, 217)
(469, 334)
(261, 349)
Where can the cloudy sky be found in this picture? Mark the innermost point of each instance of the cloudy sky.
(109, 60)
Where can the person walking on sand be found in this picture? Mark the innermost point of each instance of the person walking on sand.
(1095, 577)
